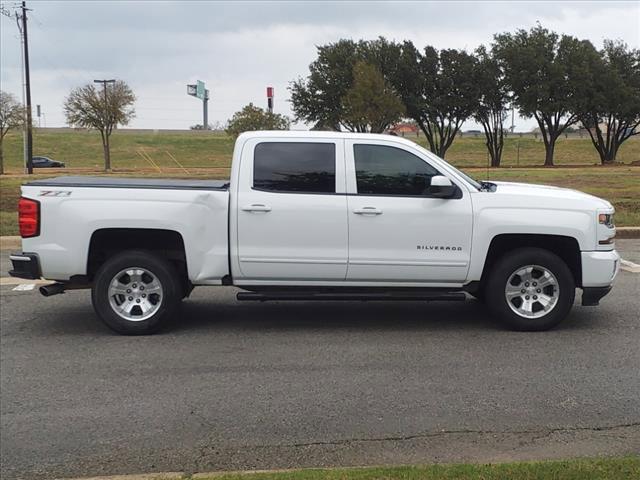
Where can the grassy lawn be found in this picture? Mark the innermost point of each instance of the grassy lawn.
(619, 185)
(208, 155)
(83, 149)
(591, 469)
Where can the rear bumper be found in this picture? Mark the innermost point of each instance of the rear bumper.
(25, 265)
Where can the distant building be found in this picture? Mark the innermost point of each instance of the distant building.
(402, 129)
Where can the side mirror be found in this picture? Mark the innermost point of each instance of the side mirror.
(441, 187)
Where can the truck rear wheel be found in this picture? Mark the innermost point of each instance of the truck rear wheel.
(530, 289)
(135, 292)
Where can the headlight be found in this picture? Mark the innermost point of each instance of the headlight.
(606, 219)
(606, 230)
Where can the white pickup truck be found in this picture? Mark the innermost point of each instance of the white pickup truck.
(318, 216)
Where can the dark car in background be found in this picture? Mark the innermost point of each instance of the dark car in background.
(45, 162)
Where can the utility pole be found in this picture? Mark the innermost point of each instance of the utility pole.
(513, 125)
(104, 87)
(27, 79)
(107, 165)
(21, 22)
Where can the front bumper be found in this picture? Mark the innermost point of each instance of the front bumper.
(599, 268)
(25, 265)
(591, 295)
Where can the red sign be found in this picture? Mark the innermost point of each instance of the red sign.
(269, 92)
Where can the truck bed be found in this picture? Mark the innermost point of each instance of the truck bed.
(152, 183)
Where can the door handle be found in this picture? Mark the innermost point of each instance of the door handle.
(256, 207)
(368, 211)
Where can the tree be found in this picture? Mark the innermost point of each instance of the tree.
(320, 98)
(370, 105)
(93, 108)
(609, 98)
(540, 69)
(252, 118)
(438, 90)
(11, 116)
(491, 109)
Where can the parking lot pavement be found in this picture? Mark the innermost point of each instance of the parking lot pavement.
(241, 386)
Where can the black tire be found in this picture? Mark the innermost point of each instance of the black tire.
(502, 272)
(171, 292)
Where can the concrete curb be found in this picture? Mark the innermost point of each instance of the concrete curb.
(9, 243)
(12, 243)
(143, 476)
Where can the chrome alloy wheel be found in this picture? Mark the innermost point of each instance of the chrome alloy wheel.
(532, 291)
(135, 294)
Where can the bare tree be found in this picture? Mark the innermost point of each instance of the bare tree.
(11, 116)
(103, 110)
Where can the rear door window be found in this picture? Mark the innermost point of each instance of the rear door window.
(295, 167)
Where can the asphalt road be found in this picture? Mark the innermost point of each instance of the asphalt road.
(242, 386)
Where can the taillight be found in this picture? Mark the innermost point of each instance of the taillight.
(29, 217)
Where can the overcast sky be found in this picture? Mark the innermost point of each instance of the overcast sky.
(238, 48)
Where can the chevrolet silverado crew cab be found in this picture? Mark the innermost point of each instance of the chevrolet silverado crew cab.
(318, 216)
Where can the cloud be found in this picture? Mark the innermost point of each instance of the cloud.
(239, 48)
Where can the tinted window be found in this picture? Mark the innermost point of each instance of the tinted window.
(382, 170)
(295, 167)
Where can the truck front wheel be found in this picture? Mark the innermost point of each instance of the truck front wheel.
(135, 292)
(530, 289)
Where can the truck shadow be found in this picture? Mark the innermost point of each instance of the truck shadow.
(220, 314)
(388, 316)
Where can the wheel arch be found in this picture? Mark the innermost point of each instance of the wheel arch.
(567, 248)
(106, 242)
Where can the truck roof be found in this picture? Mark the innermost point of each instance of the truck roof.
(322, 134)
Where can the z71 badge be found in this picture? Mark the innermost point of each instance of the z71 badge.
(55, 193)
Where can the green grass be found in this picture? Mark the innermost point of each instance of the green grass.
(82, 149)
(208, 155)
(529, 151)
(627, 468)
(620, 185)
